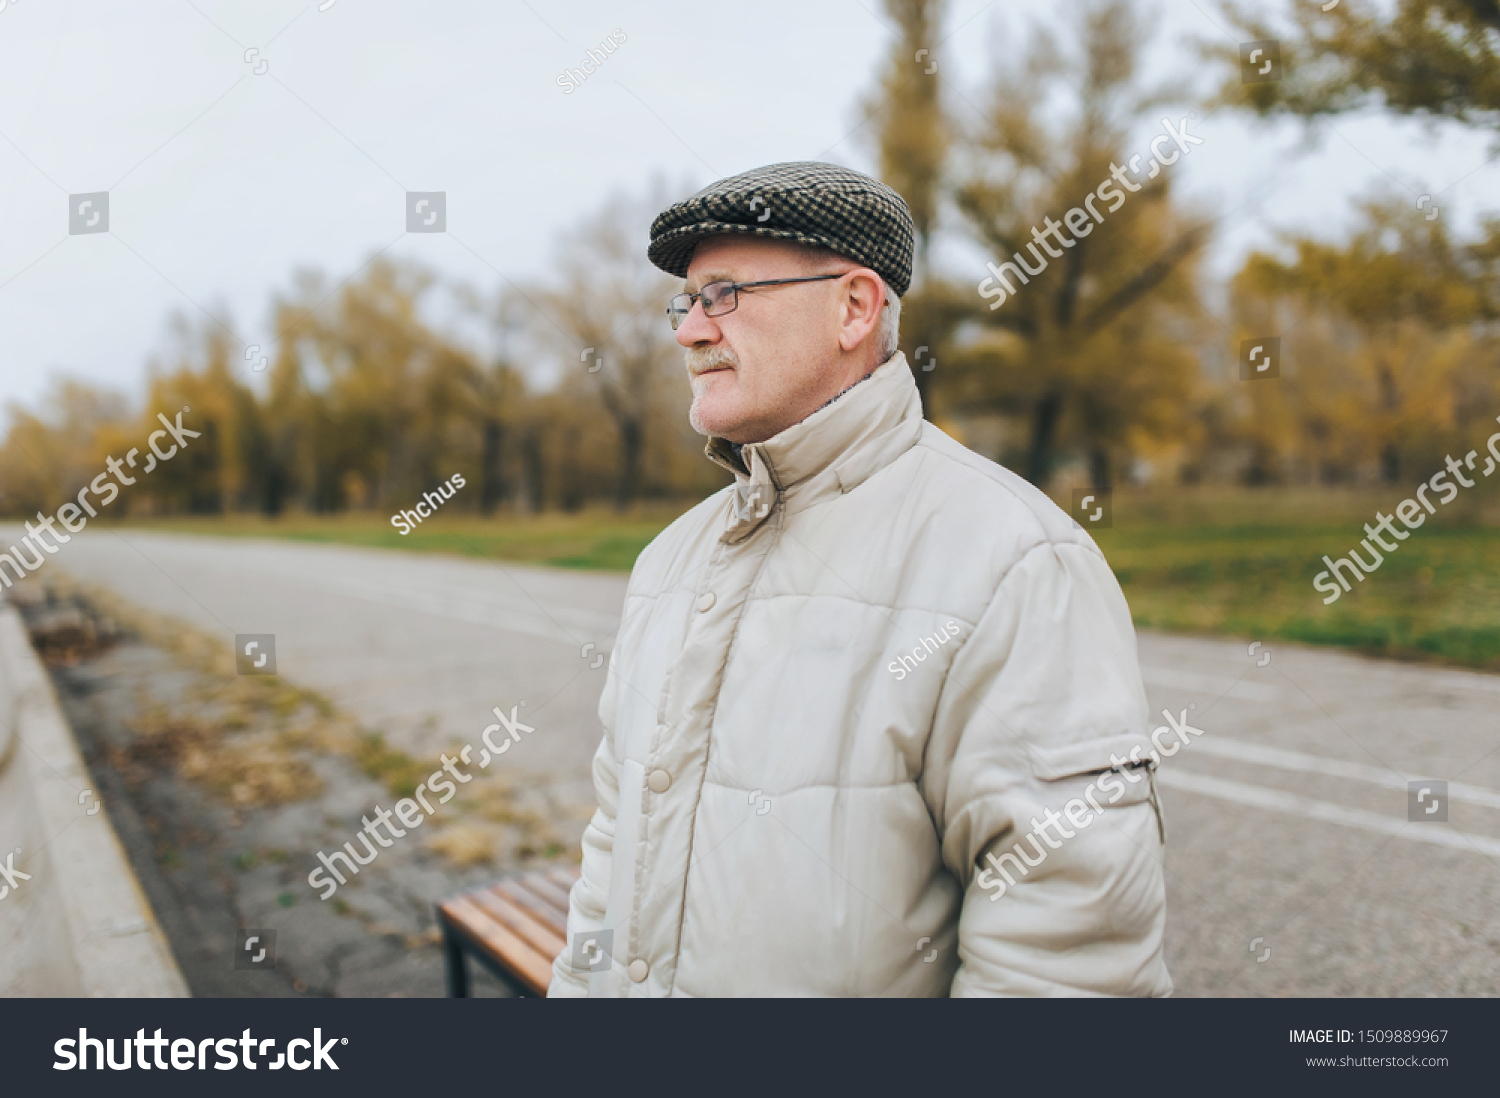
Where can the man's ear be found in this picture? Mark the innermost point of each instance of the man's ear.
(860, 307)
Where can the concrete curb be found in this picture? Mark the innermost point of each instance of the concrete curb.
(80, 926)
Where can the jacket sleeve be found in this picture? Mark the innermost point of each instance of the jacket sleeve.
(587, 901)
(1041, 701)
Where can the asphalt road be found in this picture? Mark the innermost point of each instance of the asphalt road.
(420, 647)
(1294, 866)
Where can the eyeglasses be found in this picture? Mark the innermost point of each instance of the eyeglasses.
(720, 298)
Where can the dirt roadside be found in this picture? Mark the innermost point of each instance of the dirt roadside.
(224, 787)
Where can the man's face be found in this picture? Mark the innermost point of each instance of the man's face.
(765, 366)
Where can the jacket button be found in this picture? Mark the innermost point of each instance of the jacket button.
(638, 970)
(659, 781)
(706, 601)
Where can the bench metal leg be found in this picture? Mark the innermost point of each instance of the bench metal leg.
(455, 964)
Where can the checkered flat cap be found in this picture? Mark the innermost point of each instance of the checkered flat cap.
(807, 202)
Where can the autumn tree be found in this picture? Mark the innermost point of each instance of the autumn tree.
(601, 317)
(911, 136)
(1439, 58)
(1093, 342)
(373, 406)
(48, 455)
(1389, 344)
(203, 380)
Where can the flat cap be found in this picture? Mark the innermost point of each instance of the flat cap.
(807, 202)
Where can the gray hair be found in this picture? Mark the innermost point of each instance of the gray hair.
(888, 335)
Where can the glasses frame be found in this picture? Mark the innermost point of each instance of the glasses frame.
(734, 289)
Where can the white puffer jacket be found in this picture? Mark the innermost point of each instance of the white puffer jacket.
(797, 792)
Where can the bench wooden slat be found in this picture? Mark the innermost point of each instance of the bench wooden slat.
(516, 892)
(537, 934)
(518, 925)
(545, 890)
(542, 894)
(503, 946)
(564, 876)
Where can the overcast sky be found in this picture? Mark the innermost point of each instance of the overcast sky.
(222, 179)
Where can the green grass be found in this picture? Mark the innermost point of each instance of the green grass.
(1234, 562)
(399, 772)
(1244, 566)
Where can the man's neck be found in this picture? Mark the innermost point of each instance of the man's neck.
(738, 446)
(741, 446)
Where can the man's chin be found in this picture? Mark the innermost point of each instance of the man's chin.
(710, 418)
(712, 412)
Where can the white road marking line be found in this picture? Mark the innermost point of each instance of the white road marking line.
(1335, 768)
(1212, 685)
(1290, 803)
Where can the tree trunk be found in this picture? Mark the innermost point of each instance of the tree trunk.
(1044, 417)
(1099, 470)
(206, 474)
(531, 458)
(273, 502)
(491, 482)
(1390, 453)
(572, 487)
(632, 439)
(1390, 462)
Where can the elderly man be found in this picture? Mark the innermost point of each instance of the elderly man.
(874, 722)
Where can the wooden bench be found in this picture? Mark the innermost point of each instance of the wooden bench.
(515, 927)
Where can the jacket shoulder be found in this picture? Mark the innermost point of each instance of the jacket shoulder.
(1011, 502)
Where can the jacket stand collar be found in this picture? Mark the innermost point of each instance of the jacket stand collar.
(834, 449)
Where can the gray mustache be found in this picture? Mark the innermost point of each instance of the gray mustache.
(710, 358)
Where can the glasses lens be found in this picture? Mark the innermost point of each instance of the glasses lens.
(678, 308)
(718, 298)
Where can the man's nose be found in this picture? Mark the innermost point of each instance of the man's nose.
(696, 329)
